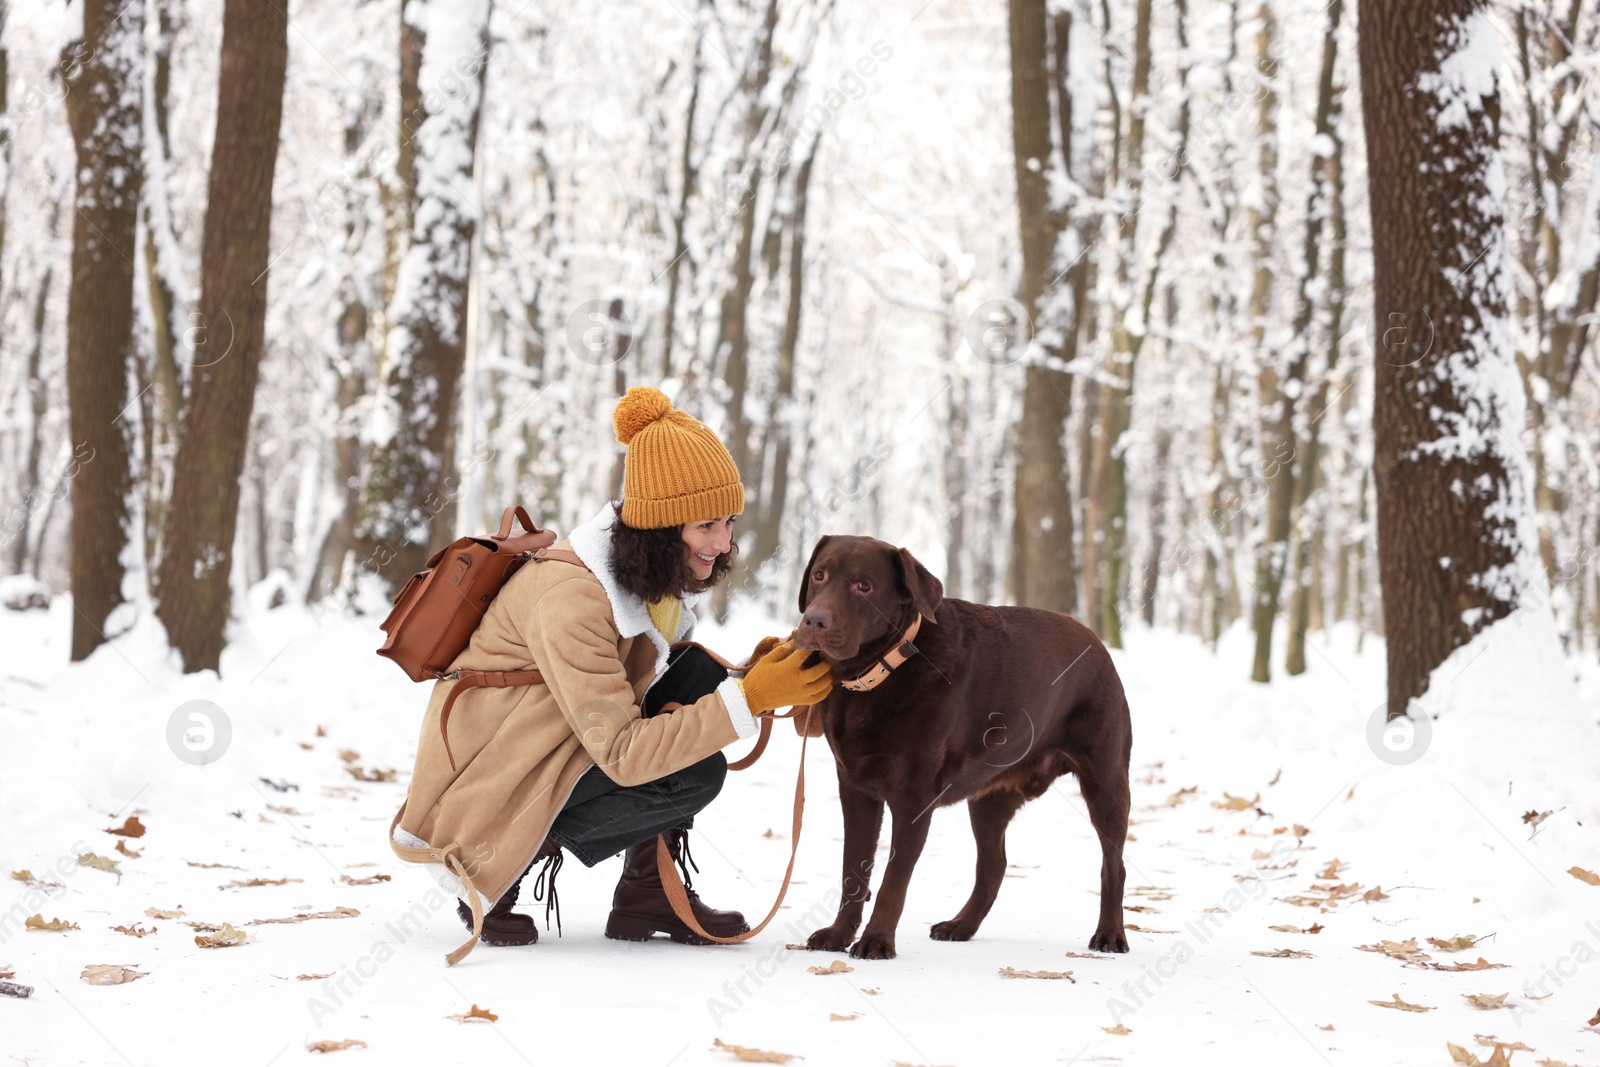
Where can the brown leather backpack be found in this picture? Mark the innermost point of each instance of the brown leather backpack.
(437, 610)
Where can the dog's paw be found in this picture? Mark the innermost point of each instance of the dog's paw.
(951, 930)
(1109, 941)
(873, 947)
(830, 939)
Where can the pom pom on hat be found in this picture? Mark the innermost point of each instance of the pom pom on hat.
(642, 406)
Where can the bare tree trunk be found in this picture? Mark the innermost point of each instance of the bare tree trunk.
(193, 593)
(687, 176)
(1041, 553)
(104, 81)
(1447, 488)
(408, 504)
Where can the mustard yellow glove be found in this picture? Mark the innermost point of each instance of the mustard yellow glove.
(779, 680)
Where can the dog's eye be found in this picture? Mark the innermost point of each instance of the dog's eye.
(863, 587)
(818, 575)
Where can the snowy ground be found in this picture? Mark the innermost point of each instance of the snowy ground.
(84, 747)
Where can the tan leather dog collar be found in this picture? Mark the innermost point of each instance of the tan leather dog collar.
(902, 651)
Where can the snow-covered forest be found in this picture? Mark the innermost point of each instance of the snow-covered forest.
(1258, 337)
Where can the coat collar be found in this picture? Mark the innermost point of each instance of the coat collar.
(592, 543)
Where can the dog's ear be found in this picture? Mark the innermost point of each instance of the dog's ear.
(926, 591)
(811, 565)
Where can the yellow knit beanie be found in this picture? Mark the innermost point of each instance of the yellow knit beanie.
(677, 471)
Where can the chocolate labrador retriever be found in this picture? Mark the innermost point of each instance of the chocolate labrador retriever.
(940, 700)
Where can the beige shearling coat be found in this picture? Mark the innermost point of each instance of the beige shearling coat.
(520, 751)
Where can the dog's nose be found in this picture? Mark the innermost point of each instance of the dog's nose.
(814, 622)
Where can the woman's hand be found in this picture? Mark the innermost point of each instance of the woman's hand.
(779, 680)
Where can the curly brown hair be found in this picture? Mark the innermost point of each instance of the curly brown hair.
(651, 564)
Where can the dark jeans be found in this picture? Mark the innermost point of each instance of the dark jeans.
(601, 818)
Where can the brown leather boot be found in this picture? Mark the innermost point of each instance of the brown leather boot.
(503, 927)
(640, 908)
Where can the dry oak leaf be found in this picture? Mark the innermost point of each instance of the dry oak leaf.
(135, 930)
(1285, 954)
(1481, 965)
(162, 913)
(1455, 944)
(122, 847)
(1012, 972)
(1376, 893)
(312, 977)
(1229, 802)
(373, 775)
(234, 883)
(835, 1017)
(100, 863)
(224, 866)
(476, 1013)
(334, 1046)
(1332, 869)
(110, 974)
(373, 879)
(37, 922)
(1584, 876)
(836, 967)
(755, 1055)
(1592, 1022)
(226, 937)
(131, 828)
(1145, 929)
(349, 755)
(1399, 1004)
(1490, 1041)
(1406, 951)
(1321, 1027)
(1177, 798)
(1119, 1030)
(1461, 1055)
(1314, 928)
(1087, 956)
(1487, 1001)
(340, 912)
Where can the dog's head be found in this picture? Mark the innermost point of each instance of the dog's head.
(858, 591)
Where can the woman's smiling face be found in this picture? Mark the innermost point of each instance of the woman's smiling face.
(704, 541)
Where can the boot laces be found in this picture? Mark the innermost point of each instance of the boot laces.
(685, 861)
(544, 888)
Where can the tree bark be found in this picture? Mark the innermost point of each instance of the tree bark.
(1043, 573)
(409, 500)
(193, 592)
(103, 71)
(1453, 501)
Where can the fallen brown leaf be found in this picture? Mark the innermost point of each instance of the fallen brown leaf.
(1145, 929)
(135, 930)
(312, 977)
(1406, 951)
(131, 828)
(334, 1046)
(836, 967)
(835, 1017)
(1012, 972)
(1321, 1027)
(1374, 894)
(1087, 956)
(1454, 944)
(1481, 965)
(300, 917)
(213, 866)
(1399, 1004)
(476, 1013)
(1314, 928)
(162, 913)
(373, 775)
(1584, 876)
(349, 755)
(37, 922)
(1490, 1041)
(1119, 1030)
(1285, 954)
(234, 883)
(1177, 798)
(1487, 1001)
(110, 974)
(100, 863)
(226, 937)
(754, 1055)
(1334, 866)
(1229, 802)
(284, 809)
(122, 847)
(372, 879)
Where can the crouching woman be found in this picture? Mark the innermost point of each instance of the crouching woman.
(593, 761)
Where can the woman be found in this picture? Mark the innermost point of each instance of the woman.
(586, 761)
